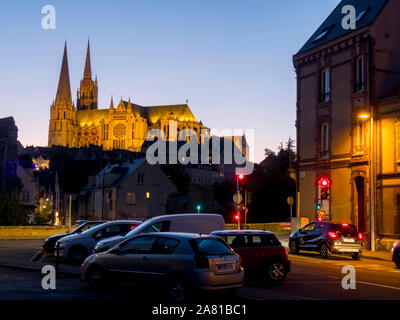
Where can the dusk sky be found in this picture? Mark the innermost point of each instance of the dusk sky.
(231, 58)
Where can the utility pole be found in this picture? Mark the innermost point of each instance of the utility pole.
(69, 213)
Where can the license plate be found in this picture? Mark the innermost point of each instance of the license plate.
(225, 267)
(348, 240)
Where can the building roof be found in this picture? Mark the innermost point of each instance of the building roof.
(123, 171)
(179, 112)
(64, 87)
(332, 29)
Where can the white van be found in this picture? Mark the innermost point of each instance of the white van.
(203, 223)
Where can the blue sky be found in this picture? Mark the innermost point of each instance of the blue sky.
(230, 58)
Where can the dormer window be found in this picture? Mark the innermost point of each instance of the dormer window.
(323, 33)
(361, 14)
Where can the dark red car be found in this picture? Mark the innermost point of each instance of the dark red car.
(261, 252)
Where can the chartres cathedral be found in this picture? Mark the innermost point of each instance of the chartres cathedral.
(122, 127)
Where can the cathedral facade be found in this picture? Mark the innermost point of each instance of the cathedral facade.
(123, 126)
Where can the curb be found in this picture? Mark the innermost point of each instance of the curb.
(39, 269)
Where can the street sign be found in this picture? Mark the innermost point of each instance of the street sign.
(235, 198)
(238, 207)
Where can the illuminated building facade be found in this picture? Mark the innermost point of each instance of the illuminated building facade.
(348, 120)
(123, 126)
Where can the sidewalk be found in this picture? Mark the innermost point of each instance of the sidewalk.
(366, 254)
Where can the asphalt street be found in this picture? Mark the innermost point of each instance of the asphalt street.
(311, 278)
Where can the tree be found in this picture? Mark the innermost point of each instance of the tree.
(11, 212)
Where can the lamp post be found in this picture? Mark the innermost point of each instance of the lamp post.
(364, 116)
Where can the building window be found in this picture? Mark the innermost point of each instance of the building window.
(359, 138)
(131, 198)
(359, 74)
(147, 195)
(324, 140)
(140, 178)
(325, 86)
(25, 195)
(398, 142)
(119, 143)
(397, 220)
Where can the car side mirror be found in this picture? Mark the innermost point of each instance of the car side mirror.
(98, 236)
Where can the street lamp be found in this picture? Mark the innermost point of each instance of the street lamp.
(364, 116)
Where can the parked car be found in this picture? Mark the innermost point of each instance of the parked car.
(328, 238)
(203, 223)
(261, 252)
(49, 243)
(176, 262)
(77, 247)
(396, 254)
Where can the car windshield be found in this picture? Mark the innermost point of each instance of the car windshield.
(85, 226)
(210, 246)
(346, 229)
(94, 229)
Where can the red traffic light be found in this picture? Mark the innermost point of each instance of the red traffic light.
(241, 176)
(324, 182)
(237, 217)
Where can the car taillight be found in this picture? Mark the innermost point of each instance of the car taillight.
(201, 262)
(332, 235)
(360, 236)
(287, 253)
(133, 227)
(345, 224)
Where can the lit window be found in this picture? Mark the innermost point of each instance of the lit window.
(398, 142)
(359, 141)
(147, 195)
(131, 198)
(325, 85)
(324, 140)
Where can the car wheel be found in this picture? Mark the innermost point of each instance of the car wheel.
(95, 277)
(77, 253)
(325, 252)
(276, 271)
(397, 259)
(293, 247)
(178, 289)
(356, 256)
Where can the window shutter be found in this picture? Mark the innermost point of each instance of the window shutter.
(398, 142)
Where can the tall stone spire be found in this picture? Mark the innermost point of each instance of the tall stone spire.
(64, 87)
(87, 74)
(87, 99)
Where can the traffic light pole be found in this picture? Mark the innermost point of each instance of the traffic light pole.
(237, 198)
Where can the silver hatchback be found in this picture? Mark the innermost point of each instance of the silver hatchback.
(181, 262)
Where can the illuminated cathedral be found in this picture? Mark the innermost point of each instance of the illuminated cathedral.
(125, 126)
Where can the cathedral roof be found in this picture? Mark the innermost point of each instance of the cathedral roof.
(64, 87)
(89, 117)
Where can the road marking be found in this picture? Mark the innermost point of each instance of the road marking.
(378, 285)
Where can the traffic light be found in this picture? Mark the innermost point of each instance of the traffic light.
(240, 176)
(237, 217)
(324, 184)
(318, 206)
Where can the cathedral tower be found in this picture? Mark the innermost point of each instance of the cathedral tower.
(62, 110)
(87, 95)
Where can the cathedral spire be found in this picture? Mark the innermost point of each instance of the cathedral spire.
(87, 74)
(111, 103)
(64, 87)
